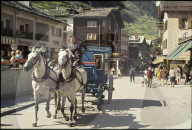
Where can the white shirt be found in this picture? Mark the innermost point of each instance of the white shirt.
(172, 73)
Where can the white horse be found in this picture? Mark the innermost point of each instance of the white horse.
(72, 83)
(44, 79)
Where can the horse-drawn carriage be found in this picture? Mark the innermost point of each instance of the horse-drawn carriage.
(97, 64)
(95, 78)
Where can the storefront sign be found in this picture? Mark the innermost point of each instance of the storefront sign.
(42, 44)
(56, 43)
(177, 62)
(27, 43)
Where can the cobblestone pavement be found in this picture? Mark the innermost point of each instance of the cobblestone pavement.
(133, 106)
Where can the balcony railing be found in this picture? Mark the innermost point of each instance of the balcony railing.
(7, 32)
(41, 37)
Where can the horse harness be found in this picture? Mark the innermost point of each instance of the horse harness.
(46, 76)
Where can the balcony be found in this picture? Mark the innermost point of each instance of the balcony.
(7, 32)
(25, 35)
(41, 37)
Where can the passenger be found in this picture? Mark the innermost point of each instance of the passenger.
(19, 57)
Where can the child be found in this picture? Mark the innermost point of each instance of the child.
(142, 80)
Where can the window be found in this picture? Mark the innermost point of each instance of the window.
(92, 24)
(7, 23)
(52, 31)
(98, 60)
(165, 44)
(91, 36)
(22, 28)
(184, 23)
(185, 35)
(26, 27)
(2, 24)
(165, 26)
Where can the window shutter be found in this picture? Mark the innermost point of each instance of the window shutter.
(180, 23)
(190, 23)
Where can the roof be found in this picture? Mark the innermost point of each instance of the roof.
(168, 6)
(148, 42)
(101, 12)
(96, 12)
(140, 39)
(30, 9)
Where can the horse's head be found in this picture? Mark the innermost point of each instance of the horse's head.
(63, 58)
(33, 58)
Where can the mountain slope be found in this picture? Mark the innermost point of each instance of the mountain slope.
(139, 16)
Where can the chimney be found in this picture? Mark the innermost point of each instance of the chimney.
(81, 8)
(27, 3)
(57, 7)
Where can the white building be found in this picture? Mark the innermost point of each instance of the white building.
(23, 26)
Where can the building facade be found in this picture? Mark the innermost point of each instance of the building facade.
(177, 32)
(23, 26)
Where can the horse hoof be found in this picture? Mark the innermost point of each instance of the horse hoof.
(67, 118)
(49, 115)
(34, 124)
(54, 117)
(75, 118)
(72, 124)
(83, 110)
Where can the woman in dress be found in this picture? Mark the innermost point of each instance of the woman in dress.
(178, 74)
(164, 76)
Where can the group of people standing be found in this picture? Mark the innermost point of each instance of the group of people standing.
(12, 56)
(161, 73)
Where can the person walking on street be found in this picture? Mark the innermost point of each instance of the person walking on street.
(164, 76)
(149, 77)
(186, 73)
(178, 74)
(131, 74)
(172, 76)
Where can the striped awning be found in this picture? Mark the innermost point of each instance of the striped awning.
(160, 59)
(179, 50)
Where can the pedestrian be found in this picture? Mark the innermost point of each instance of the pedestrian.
(142, 80)
(178, 74)
(155, 72)
(159, 74)
(145, 77)
(14, 60)
(164, 76)
(19, 57)
(172, 76)
(112, 70)
(9, 55)
(149, 77)
(131, 74)
(186, 73)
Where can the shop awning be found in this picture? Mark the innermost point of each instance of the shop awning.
(179, 50)
(160, 59)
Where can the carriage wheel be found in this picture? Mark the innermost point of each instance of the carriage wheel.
(99, 97)
(110, 89)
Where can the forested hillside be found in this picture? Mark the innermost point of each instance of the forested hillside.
(139, 16)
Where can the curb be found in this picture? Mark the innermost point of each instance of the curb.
(19, 108)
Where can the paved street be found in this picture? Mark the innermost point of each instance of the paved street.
(133, 106)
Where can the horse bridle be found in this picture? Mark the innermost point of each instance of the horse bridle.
(68, 59)
(38, 58)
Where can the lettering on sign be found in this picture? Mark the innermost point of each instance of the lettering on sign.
(56, 43)
(177, 62)
(42, 44)
(24, 42)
